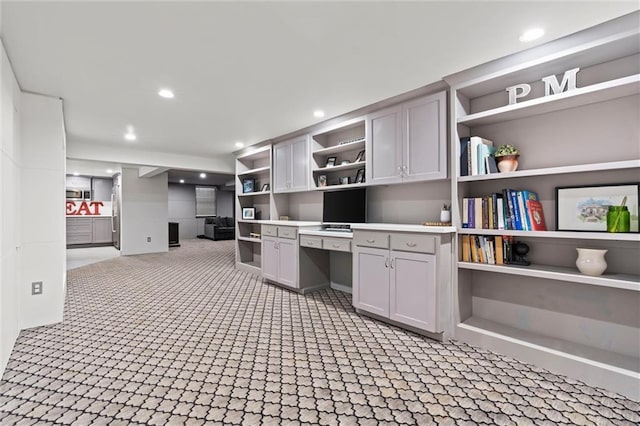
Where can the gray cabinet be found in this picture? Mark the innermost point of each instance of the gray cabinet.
(291, 165)
(280, 255)
(102, 231)
(407, 142)
(394, 277)
(101, 189)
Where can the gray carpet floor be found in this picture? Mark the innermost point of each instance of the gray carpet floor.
(185, 338)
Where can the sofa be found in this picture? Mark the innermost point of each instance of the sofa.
(219, 228)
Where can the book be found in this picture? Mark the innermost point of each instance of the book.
(499, 250)
(517, 222)
(474, 248)
(484, 151)
(491, 165)
(464, 156)
(472, 213)
(500, 211)
(535, 215)
(521, 209)
(465, 212)
(528, 195)
(466, 248)
(485, 212)
(495, 210)
(474, 142)
(509, 213)
(477, 209)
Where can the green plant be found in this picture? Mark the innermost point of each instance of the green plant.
(506, 150)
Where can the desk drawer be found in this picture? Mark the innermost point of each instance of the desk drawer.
(371, 239)
(413, 242)
(287, 232)
(337, 244)
(307, 241)
(270, 230)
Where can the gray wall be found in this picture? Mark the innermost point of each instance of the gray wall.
(182, 209)
(224, 203)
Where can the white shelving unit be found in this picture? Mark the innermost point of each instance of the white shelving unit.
(548, 313)
(256, 165)
(344, 141)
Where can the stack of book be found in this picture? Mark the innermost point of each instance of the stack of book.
(476, 156)
(487, 249)
(518, 210)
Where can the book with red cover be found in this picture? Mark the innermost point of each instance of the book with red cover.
(536, 215)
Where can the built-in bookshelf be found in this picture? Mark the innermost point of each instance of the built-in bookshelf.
(587, 136)
(253, 172)
(338, 155)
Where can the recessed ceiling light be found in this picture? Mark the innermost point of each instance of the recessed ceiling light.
(239, 144)
(203, 175)
(166, 93)
(109, 171)
(318, 113)
(76, 174)
(181, 180)
(130, 136)
(532, 34)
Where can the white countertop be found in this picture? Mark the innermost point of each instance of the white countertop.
(296, 223)
(404, 228)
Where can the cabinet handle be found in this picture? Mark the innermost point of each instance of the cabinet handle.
(336, 245)
(411, 244)
(386, 262)
(392, 263)
(371, 241)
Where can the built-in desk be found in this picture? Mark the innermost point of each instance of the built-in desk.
(401, 274)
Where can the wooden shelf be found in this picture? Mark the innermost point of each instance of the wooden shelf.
(332, 187)
(581, 168)
(489, 330)
(621, 281)
(351, 146)
(342, 167)
(256, 193)
(613, 89)
(257, 171)
(250, 239)
(604, 236)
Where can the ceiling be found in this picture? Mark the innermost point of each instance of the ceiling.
(250, 71)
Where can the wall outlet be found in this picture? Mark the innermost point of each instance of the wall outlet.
(36, 287)
(148, 239)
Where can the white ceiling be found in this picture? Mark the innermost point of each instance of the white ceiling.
(250, 71)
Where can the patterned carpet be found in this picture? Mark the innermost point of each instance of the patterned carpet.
(185, 338)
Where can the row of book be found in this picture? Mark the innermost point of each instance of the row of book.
(493, 250)
(476, 156)
(518, 210)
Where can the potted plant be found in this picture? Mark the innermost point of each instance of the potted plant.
(507, 158)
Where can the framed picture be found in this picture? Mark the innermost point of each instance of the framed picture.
(248, 185)
(584, 208)
(248, 213)
(331, 161)
(359, 157)
(265, 187)
(360, 176)
(344, 180)
(322, 180)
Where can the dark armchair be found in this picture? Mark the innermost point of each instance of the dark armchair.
(219, 228)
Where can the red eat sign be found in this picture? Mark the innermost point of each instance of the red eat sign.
(84, 208)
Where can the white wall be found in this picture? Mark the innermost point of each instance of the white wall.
(10, 255)
(43, 235)
(182, 209)
(144, 213)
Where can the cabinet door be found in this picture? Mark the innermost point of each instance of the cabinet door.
(425, 140)
(413, 290)
(371, 280)
(300, 165)
(281, 167)
(288, 262)
(270, 258)
(102, 230)
(384, 146)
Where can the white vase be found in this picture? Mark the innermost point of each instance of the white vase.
(445, 216)
(591, 261)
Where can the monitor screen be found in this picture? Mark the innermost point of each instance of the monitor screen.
(347, 206)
